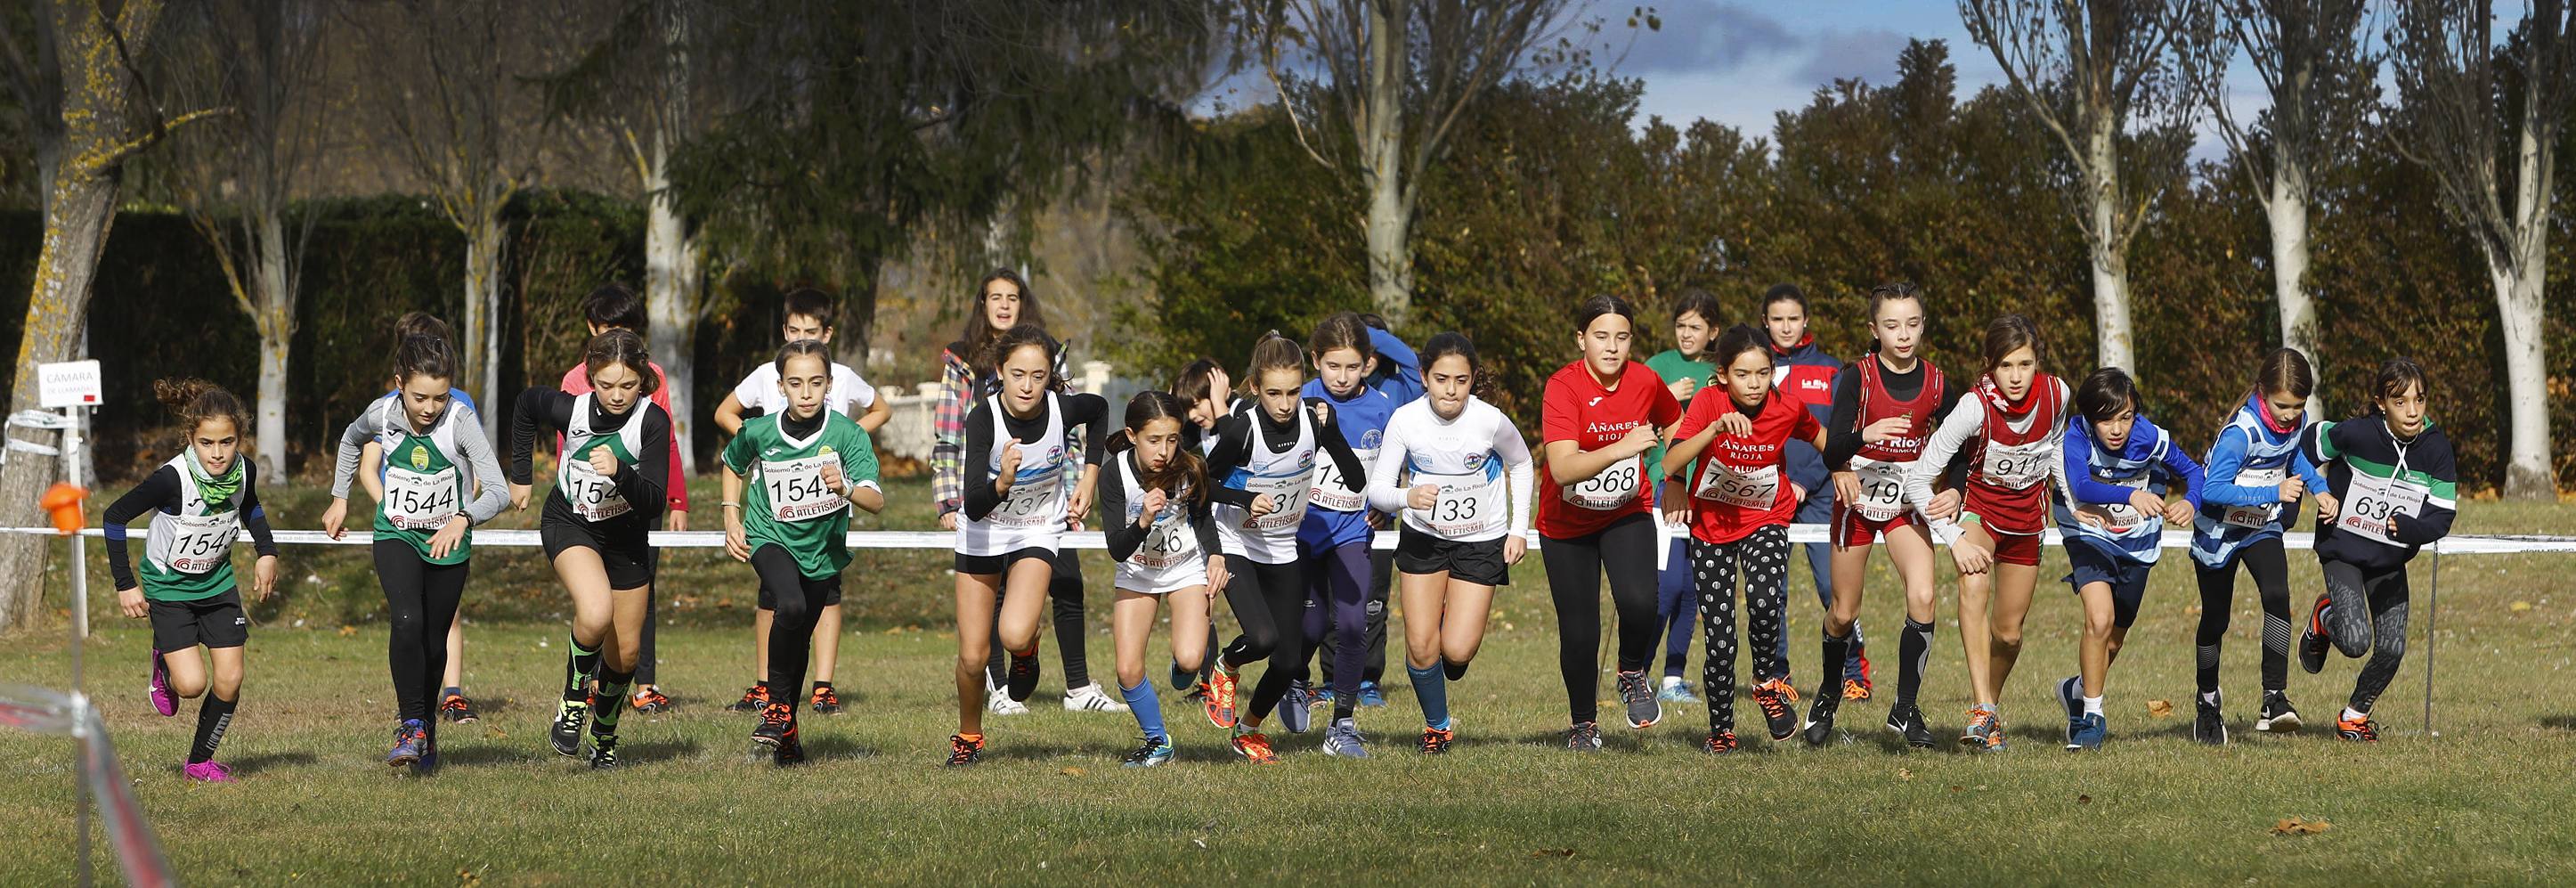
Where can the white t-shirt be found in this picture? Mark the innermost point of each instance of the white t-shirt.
(1479, 461)
(760, 390)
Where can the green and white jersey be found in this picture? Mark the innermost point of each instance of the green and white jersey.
(788, 504)
(188, 556)
(591, 495)
(425, 479)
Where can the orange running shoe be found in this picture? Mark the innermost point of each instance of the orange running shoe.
(1255, 748)
(1219, 697)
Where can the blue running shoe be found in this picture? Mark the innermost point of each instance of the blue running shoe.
(1293, 712)
(2070, 693)
(409, 739)
(1182, 679)
(2086, 733)
(1370, 698)
(1343, 740)
(1157, 751)
(1675, 690)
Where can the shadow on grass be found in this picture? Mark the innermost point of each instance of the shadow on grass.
(2561, 722)
(248, 765)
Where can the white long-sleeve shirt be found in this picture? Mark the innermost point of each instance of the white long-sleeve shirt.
(1460, 456)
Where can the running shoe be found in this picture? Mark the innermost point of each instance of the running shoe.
(1718, 743)
(1858, 688)
(163, 701)
(207, 772)
(1820, 720)
(566, 736)
(963, 752)
(1643, 711)
(1323, 697)
(409, 738)
(1254, 746)
(1370, 696)
(1774, 697)
(2278, 716)
(1985, 731)
(2087, 734)
(2313, 642)
(2208, 725)
(1343, 739)
(826, 700)
(789, 753)
(777, 727)
(2070, 694)
(1436, 740)
(1022, 680)
(1293, 712)
(1092, 698)
(999, 703)
(1156, 752)
(650, 700)
(1675, 691)
(754, 698)
(1219, 698)
(1583, 737)
(1183, 679)
(603, 752)
(456, 709)
(2357, 729)
(1907, 719)
(1454, 671)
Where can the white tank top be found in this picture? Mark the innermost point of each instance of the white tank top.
(594, 496)
(1288, 477)
(1169, 560)
(1032, 516)
(191, 542)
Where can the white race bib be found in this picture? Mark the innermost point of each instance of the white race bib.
(2370, 501)
(1332, 491)
(201, 543)
(420, 500)
(1468, 505)
(1743, 488)
(796, 490)
(1167, 543)
(2256, 517)
(1616, 486)
(2016, 466)
(594, 496)
(1035, 501)
(2118, 517)
(1288, 493)
(1882, 489)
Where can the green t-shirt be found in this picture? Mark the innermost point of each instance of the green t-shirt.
(1672, 366)
(788, 505)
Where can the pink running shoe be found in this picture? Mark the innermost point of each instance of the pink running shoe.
(208, 772)
(163, 701)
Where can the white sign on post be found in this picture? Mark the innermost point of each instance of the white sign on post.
(67, 384)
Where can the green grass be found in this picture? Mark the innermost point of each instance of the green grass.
(2482, 802)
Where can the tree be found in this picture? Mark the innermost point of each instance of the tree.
(238, 176)
(2116, 82)
(1393, 77)
(2312, 57)
(2459, 92)
(71, 67)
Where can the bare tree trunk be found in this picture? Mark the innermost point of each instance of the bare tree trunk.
(2109, 249)
(1390, 220)
(2287, 212)
(672, 298)
(2519, 302)
(275, 322)
(78, 210)
(481, 331)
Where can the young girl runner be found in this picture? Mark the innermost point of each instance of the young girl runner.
(2394, 490)
(1731, 453)
(1684, 368)
(1885, 405)
(612, 476)
(2257, 475)
(1459, 538)
(440, 478)
(613, 307)
(199, 501)
(2013, 427)
(1339, 526)
(2114, 530)
(1268, 451)
(1396, 373)
(1166, 547)
(453, 705)
(807, 466)
(1017, 508)
(1601, 414)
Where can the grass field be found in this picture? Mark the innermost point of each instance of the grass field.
(2484, 801)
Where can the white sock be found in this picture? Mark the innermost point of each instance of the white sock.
(1672, 681)
(2210, 698)
(2092, 706)
(2350, 715)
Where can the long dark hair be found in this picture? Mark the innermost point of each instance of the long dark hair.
(979, 336)
(2105, 393)
(195, 401)
(1735, 341)
(1452, 342)
(1273, 352)
(1185, 469)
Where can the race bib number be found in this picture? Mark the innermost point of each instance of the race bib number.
(2015, 466)
(1288, 492)
(796, 490)
(1036, 500)
(420, 500)
(1334, 492)
(1616, 486)
(2370, 502)
(2255, 517)
(1882, 490)
(1167, 544)
(201, 543)
(2118, 517)
(1742, 488)
(1468, 505)
(594, 496)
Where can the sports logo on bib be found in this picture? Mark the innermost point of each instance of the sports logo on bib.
(419, 458)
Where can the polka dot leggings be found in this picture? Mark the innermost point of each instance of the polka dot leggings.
(1763, 561)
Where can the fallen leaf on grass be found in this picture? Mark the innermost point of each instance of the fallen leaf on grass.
(1202, 843)
(494, 733)
(2084, 800)
(2160, 708)
(467, 877)
(346, 631)
(1905, 773)
(1071, 772)
(2520, 606)
(2293, 826)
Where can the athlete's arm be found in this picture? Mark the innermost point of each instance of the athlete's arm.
(1328, 434)
(159, 490)
(980, 497)
(1384, 494)
(491, 495)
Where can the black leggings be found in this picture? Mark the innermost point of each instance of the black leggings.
(2367, 615)
(1373, 662)
(644, 649)
(2262, 558)
(1626, 549)
(1763, 561)
(420, 603)
(1066, 591)
(1269, 602)
(791, 627)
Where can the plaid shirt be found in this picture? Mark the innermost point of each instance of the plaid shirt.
(958, 390)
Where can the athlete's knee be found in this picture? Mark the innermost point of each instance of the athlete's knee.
(187, 686)
(2010, 639)
(2096, 626)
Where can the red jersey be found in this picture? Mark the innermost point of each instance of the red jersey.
(2008, 473)
(1740, 483)
(1876, 405)
(577, 381)
(1580, 410)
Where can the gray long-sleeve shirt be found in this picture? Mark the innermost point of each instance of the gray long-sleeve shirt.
(476, 454)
